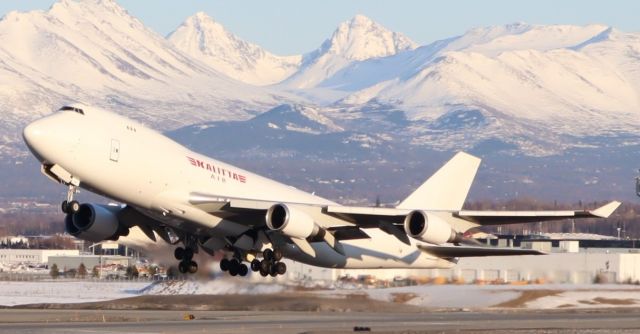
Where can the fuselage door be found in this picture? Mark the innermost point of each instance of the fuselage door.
(115, 150)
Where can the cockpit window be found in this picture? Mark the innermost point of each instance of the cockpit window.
(74, 109)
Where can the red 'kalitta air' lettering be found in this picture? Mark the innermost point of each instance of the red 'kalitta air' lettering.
(217, 170)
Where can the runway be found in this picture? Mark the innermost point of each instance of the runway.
(135, 321)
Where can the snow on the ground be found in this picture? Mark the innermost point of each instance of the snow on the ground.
(587, 299)
(553, 296)
(35, 292)
(216, 287)
(485, 296)
(446, 296)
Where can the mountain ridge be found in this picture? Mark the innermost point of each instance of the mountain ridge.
(367, 94)
(207, 40)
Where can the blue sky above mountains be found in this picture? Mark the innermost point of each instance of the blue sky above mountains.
(293, 27)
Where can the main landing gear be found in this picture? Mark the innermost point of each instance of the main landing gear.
(269, 266)
(234, 266)
(69, 205)
(186, 265)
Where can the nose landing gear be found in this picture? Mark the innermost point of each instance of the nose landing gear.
(70, 206)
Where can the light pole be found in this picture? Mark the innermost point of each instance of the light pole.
(638, 184)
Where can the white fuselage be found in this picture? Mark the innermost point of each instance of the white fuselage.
(126, 161)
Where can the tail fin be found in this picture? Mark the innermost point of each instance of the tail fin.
(447, 189)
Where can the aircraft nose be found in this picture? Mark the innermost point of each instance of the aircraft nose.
(32, 132)
(34, 136)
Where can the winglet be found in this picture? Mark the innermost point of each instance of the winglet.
(606, 210)
(447, 189)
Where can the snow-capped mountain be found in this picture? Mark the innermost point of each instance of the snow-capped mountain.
(367, 97)
(204, 39)
(355, 40)
(554, 82)
(94, 51)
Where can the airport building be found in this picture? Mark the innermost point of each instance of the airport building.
(68, 262)
(35, 256)
(576, 259)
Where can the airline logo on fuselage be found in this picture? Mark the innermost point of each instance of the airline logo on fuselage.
(225, 173)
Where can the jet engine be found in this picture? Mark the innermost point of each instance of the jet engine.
(94, 223)
(428, 227)
(290, 221)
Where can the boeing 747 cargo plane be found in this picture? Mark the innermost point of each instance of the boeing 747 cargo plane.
(201, 204)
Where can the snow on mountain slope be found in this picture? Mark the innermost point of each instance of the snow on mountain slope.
(514, 81)
(204, 39)
(526, 84)
(356, 40)
(489, 41)
(299, 118)
(619, 51)
(492, 41)
(95, 52)
(583, 81)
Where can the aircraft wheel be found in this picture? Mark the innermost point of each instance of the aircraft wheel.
(224, 264)
(233, 271)
(255, 265)
(65, 206)
(281, 268)
(263, 273)
(182, 268)
(267, 254)
(265, 265)
(73, 207)
(179, 253)
(234, 267)
(243, 270)
(277, 255)
(193, 267)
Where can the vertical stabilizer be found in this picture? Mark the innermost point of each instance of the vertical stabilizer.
(447, 189)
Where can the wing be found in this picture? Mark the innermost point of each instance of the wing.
(370, 215)
(347, 222)
(515, 217)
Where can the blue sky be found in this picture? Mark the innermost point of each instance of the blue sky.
(297, 26)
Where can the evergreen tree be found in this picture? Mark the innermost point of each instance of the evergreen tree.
(82, 271)
(95, 273)
(172, 272)
(54, 272)
(153, 270)
(132, 272)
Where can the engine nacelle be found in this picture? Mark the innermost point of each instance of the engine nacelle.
(429, 228)
(93, 223)
(290, 221)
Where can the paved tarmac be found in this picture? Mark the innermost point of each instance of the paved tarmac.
(140, 321)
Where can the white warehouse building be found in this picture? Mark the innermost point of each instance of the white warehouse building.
(39, 256)
(561, 267)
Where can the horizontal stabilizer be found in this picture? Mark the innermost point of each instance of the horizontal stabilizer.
(469, 251)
